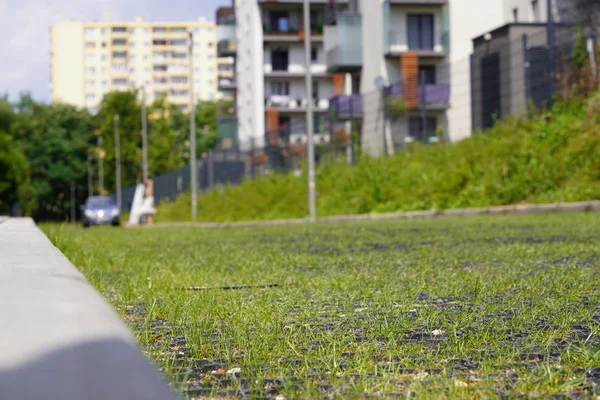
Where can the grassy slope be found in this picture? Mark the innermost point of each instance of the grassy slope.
(514, 302)
(516, 161)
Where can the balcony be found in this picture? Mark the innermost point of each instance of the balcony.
(397, 44)
(226, 48)
(346, 53)
(286, 32)
(435, 97)
(289, 104)
(347, 107)
(294, 71)
(226, 84)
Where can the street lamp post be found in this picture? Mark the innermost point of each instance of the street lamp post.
(100, 167)
(118, 161)
(144, 137)
(193, 167)
(312, 196)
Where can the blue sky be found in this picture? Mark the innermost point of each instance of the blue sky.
(25, 29)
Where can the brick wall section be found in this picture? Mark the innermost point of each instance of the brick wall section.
(272, 119)
(338, 84)
(409, 64)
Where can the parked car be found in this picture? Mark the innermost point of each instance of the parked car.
(99, 210)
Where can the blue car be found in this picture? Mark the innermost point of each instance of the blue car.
(99, 210)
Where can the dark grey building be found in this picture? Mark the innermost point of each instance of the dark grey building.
(509, 69)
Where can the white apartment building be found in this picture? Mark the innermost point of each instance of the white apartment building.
(90, 59)
(271, 70)
(419, 50)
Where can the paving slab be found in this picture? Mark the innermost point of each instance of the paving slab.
(59, 339)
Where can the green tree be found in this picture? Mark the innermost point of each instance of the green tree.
(127, 107)
(56, 141)
(15, 186)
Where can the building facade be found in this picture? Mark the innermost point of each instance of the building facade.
(90, 59)
(271, 72)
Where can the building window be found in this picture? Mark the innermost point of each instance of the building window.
(315, 90)
(90, 83)
(179, 79)
(132, 70)
(119, 42)
(160, 68)
(90, 45)
(132, 44)
(515, 14)
(90, 96)
(119, 67)
(178, 42)
(280, 88)
(280, 59)
(159, 30)
(279, 21)
(119, 29)
(420, 31)
(178, 55)
(119, 81)
(422, 132)
(90, 70)
(197, 44)
(426, 74)
(314, 54)
(90, 57)
(178, 30)
(119, 54)
(132, 57)
(90, 31)
(103, 45)
(104, 84)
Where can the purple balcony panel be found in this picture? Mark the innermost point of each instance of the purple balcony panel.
(347, 107)
(395, 89)
(437, 94)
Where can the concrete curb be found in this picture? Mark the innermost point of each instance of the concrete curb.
(59, 339)
(519, 209)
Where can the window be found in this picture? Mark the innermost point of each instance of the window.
(179, 79)
(159, 30)
(132, 70)
(90, 57)
(179, 42)
(103, 57)
(426, 75)
(197, 44)
(416, 131)
(178, 30)
(420, 31)
(179, 93)
(280, 88)
(90, 31)
(314, 54)
(90, 96)
(103, 45)
(119, 42)
(119, 54)
(90, 83)
(179, 55)
(90, 45)
(132, 44)
(315, 90)
(119, 67)
(279, 21)
(132, 57)
(119, 81)
(160, 68)
(158, 95)
(515, 14)
(161, 80)
(279, 59)
(103, 31)
(159, 42)
(119, 29)
(90, 70)
(104, 83)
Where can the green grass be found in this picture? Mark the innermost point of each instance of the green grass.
(445, 308)
(552, 157)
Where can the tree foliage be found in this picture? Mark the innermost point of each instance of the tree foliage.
(15, 186)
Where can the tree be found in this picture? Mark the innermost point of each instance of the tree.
(125, 105)
(55, 140)
(15, 186)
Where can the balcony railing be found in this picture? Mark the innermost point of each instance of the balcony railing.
(291, 104)
(346, 54)
(398, 42)
(346, 107)
(431, 95)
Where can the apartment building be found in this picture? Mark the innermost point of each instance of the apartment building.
(417, 50)
(90, 59)
(271, 71)
(226, 52)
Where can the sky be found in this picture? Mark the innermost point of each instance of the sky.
(25, 27)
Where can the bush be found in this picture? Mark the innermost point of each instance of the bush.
(15, 186)
(552, 157)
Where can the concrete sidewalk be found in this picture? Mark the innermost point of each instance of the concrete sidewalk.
(520, 209)
(59, 340)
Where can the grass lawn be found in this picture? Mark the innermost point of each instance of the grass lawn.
(444, 308)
